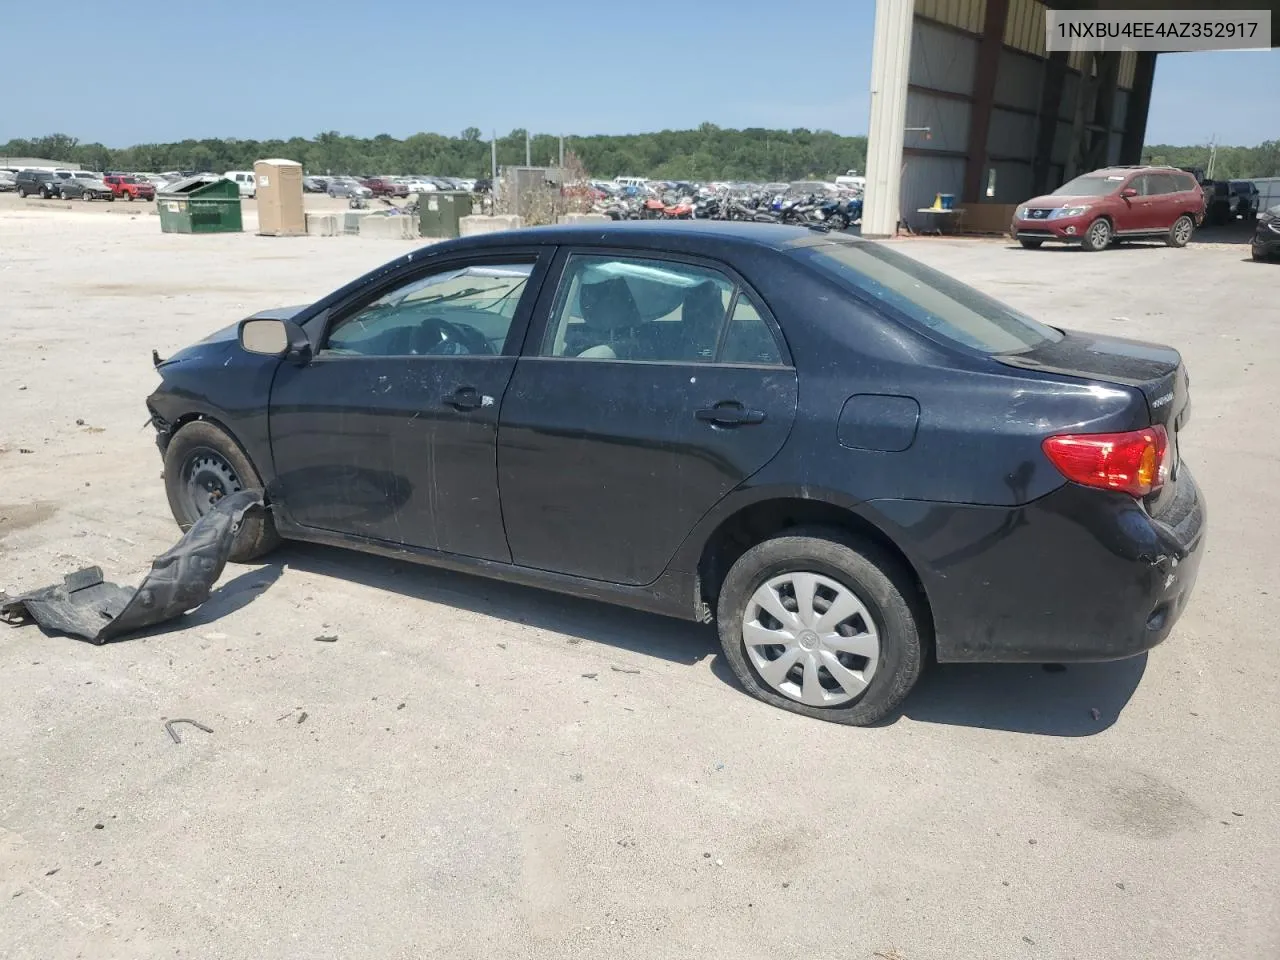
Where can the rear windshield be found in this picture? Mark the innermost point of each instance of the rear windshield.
(942, 305)
(1089, 186)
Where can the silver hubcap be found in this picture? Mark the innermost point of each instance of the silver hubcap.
(1099, 231)
(1182, 230)
(811, 639)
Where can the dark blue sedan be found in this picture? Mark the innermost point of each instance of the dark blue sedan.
(849, 461)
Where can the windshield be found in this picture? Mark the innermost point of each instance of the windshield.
(1089, 186)
(128, 179)
(63, 175)
(941, 304)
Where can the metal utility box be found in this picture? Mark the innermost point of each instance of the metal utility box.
(439, 213)
(203, 204)
(280, 210)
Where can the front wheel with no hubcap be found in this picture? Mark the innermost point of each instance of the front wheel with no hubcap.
(822, 626)
(203, 464)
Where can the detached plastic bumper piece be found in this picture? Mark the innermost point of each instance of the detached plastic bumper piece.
(181, 579)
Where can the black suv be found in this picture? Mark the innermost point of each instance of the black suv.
(32, 182)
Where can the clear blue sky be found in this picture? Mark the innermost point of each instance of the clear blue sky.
(563, 66)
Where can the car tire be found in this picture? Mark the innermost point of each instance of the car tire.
(1180, 231)
(1031, 244)
(1097, 236)
(200, 445)
(22, 193)
(130, 196)
(880, 588)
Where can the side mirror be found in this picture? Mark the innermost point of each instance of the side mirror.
(275, 338)
(1128, 192)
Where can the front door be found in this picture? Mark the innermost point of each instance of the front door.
(390, 431)
(649, 390)
(1143, 211)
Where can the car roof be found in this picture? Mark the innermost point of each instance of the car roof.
(650, 234)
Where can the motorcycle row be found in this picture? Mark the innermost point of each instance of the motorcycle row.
(835, 213)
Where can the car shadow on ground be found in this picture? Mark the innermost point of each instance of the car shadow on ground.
(1076, 248)
(1236, 233)
(1075, 700)
(233, 595)
(679, 641)
(1022, 698)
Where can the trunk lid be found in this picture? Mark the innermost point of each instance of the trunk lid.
(1156, 371)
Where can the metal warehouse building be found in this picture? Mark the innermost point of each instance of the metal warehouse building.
(966, 100)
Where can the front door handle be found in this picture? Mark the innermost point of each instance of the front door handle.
(464, 398)
(730, 413)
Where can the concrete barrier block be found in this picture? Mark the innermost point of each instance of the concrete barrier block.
(584, 218)
(389, 227)
(475, 224)
(323, 225)
(351, 221)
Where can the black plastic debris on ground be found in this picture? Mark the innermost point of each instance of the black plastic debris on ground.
(181, 578)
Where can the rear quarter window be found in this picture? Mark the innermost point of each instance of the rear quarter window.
(937, 304)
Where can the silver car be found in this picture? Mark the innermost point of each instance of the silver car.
(348, 187)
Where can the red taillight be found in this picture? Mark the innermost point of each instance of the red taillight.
(1133, 463)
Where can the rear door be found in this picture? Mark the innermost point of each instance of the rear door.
(650, 386)
(1163, 201)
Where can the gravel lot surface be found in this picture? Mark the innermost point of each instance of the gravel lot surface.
(475, 769)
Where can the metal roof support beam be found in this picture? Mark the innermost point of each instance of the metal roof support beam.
(1135, 118)
(890, 71)
(984, 94)
(1055, 73)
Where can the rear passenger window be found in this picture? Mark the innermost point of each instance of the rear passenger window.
(655, 311)
(748, 338)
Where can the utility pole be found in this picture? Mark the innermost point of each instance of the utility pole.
(1213, 156)
(528, 161)
(562, 151)
(493, 161)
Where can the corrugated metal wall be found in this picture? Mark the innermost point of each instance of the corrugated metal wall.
(1011, 135)
(947, 120)
(923, 178)
(1018, 81)
(942, 59)
(1024, 27)
(965, 14)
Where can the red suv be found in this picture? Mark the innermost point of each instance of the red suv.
(130, 187)
(385, 187)
(1114, 204)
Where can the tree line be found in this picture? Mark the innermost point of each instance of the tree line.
(707, 153)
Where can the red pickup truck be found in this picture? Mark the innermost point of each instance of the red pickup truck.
(130, 188)
(384, 187)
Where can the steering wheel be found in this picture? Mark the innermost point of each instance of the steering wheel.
(435, 336)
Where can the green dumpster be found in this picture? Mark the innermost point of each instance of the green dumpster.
(203, 204)
(440, 211)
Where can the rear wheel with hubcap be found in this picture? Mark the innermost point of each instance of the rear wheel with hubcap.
(1098, 236)
(823, 626)
(1180, 232)
(203, 464)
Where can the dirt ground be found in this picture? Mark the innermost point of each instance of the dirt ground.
(475, 769)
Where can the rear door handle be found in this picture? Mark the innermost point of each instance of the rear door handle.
(464, 398)
(730, 413)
